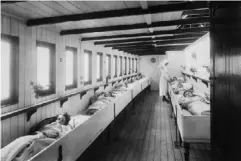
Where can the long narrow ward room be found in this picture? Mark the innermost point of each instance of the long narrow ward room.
(120, 80)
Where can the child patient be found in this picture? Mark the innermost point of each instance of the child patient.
(195, 103)
(55, 128)
(189, 96)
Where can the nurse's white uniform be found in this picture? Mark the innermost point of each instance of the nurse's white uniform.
(163, 83)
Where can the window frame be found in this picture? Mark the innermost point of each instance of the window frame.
(74, 85)
(129, 59)
(133, 68)
(121, 68)
(109, 66)
(100, 67)
(14, 75)
(52, 73)
(115, 67)
(136, 65)
(90, 67)
(125, 61)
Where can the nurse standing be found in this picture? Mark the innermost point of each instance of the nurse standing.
(164, 79)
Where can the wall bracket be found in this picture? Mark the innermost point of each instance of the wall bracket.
(62, 101)
(205, 82)
(95, 89)
(30, 113)
(105, 85)
(113, 83)
(194, 78)
(82, 94)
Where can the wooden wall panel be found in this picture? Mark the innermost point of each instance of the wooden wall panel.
(18, 125)
(21, 125)
(226, 78)
(6, 132)
(22, 59)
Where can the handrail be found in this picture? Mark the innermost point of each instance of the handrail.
(44, 103)
(202, 79)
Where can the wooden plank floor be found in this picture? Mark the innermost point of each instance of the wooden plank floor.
(146, 134)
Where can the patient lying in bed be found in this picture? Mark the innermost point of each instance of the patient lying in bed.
(119, 89)
(46, 132)
(180, 88)
(99, 101)
(140, 76)
(195, 103)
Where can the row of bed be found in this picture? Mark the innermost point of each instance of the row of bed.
(192, 113)
(51, 141)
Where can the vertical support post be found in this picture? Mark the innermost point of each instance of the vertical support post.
(187, 151)
(60, 157)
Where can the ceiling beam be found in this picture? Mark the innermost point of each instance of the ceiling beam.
(152, 43)
(136, 48)
(156, 33)
(149, 53)
(135, 26)
(184, 36)
(196, 12)
(11, 2)
(182, 6)
(147, 17)
(153, 48)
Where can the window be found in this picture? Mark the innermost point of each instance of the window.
(46, 67)
(9, 69)
(135, 65)
(115, 66)
(87, 67)
(125, 66)
(99, 67)
(133, 68)
(71, 68)
(108, 65)
(129, 65)
(121, 66)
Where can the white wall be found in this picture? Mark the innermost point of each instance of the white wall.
(150, 69)
(176, 59)
(18, 125)
(201, 48)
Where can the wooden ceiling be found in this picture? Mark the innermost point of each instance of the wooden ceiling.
(123, 25)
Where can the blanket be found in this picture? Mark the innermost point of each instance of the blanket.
(99, 104)
(55, 130)
(199, 108)
(195, 105)
(23, 148)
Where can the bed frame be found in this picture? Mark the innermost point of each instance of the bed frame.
(192, 129)
(136, 88)
(74, 143)
(70, 146)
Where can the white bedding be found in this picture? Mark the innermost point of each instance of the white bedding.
(25, 147)
(78, 119)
